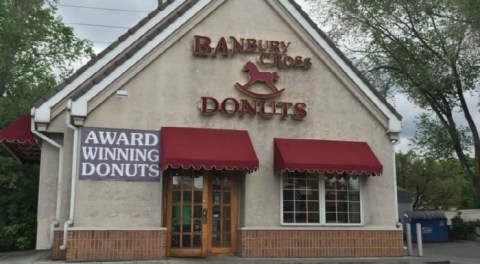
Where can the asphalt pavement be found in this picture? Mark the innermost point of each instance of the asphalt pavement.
(23, 257)
(460, 252)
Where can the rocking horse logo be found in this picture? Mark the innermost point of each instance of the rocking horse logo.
(269, 78)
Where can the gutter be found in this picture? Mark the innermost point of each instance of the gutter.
(395, 191)
(56, 221)
(73, 188)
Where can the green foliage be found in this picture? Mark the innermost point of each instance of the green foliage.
(462, 230)
(432, 138)
(429, 181)
(428, 50)
(36, 52)
(18, 204)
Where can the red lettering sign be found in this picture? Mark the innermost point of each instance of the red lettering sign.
(266, 109)
(254, 75)
(272, 54)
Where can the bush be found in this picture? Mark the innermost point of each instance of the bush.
(18, 204)
(462, 230)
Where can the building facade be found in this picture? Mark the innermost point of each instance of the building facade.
(226, 127)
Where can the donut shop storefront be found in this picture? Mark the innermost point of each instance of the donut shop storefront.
(215, 128)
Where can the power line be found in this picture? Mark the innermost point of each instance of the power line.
(101, 42)
(105, 9)
(97, 25)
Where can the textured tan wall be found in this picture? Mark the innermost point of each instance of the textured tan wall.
(165, 90)
(47, 195)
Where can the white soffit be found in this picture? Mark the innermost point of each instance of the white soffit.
(43, 112)
(394, 123)
(80, 106)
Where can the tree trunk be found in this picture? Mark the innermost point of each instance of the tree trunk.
(474, 177)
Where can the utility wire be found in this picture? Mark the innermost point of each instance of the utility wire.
(97, 25)
(102, 42)
(106, 9)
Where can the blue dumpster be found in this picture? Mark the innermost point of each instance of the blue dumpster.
(434, 225)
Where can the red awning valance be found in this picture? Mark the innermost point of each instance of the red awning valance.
(201, 148)
(18, 139)
(325, 156)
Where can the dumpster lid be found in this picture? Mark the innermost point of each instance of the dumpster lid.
(426, 215)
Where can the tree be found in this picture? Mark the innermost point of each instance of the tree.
(430, 181)
(36, 52)
(18, 204)
(428, 50)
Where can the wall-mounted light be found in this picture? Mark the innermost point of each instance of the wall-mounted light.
(121, 93)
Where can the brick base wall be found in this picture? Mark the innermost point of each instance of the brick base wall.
(111, 245)
(115, 245)
(58, 254)
(319, 243)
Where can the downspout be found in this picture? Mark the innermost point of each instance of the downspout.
(73, 188)
(397, 222)
(56, 221)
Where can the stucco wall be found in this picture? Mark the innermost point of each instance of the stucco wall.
(48, 183)
(167, 93)
(165, 90)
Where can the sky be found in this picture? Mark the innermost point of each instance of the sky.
(103, 21)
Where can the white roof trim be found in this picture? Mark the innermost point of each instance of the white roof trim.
(43, 112)
(80, 106)
(394, 123)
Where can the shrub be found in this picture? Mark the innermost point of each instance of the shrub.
(18, 204)
(462, 230)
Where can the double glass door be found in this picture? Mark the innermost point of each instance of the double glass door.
(201, 213)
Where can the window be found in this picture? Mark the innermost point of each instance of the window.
(318, 198)
(301, 198)
(342, 200)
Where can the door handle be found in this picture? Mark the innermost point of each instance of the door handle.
(204, 215)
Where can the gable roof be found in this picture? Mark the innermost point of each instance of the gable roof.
(112, 57)
(169, 16)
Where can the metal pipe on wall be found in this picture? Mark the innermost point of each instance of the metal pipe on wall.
(73, 188)
(56, 221)
(395, 191)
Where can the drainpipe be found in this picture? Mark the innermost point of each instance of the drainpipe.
(56, 221)
(394, 143)
(73, 188)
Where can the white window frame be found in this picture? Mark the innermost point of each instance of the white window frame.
(322, 206)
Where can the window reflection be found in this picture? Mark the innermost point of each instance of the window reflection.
(300, 197)
(342, 200)
(302, 203)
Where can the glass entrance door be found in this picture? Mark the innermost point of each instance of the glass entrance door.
(201, 213)
(223, 214)
(187, 217)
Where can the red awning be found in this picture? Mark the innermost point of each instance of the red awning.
(207, 148)
(325, 156)
(18, 139)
